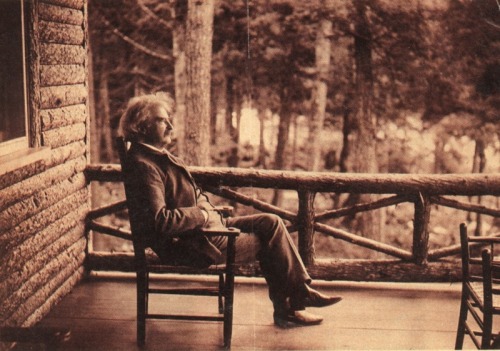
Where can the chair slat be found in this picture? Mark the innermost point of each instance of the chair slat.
(480, 293)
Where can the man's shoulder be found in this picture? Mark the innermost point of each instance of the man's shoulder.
(141, 156)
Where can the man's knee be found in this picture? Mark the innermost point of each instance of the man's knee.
(270, 221)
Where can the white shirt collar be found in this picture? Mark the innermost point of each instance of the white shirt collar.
(154, 148)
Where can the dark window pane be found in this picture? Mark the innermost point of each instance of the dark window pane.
(12, 101)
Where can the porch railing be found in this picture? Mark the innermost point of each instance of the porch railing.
(423, 191)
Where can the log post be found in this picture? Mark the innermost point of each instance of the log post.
(421, 228)
(305, 225)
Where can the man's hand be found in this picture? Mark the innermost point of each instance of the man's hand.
(214, 220)
(205, 205)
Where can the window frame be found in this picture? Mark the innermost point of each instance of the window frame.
(21, 143)
(31, 149)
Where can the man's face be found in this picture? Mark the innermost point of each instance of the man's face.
(159, 128)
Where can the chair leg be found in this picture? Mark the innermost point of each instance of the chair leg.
(228, 310)
(461, 322)
(221, 293)
(487, 327)
(229, 294)
(142, 303)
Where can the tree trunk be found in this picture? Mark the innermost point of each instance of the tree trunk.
(104, 118)
(199, 32)
(280, 161)
(323, 52)
(346, 131)
(221, 127)
(262, 145)
(283, 133)
(294, 141)
(363, 124)
(95, 146)
(479, 163)
(178, 38)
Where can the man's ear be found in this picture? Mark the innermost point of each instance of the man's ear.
(143, 128)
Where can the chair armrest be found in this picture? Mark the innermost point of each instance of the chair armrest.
(225, 211)
(229, 232)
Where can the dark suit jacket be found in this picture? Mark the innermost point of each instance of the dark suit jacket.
(162, 198)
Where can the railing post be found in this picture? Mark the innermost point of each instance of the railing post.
(305, 225)
(421, 228)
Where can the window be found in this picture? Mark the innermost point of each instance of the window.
(13, 99)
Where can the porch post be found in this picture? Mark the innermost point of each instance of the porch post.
(421, 228)
(305, 225)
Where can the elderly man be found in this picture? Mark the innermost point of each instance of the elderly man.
(167, 206)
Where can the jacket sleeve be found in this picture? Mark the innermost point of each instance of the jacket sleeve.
(150, 198)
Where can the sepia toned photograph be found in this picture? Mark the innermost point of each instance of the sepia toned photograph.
(249, 175)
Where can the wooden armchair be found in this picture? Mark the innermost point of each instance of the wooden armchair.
(147, 264)
(480, 290)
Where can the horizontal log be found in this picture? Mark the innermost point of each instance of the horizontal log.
(23, 302)
(28, 187)
(19, 212)
(337, 213)
(124, 262)
(250, 201)
(64, 135)
(64, 116)
(56, 296)
(465, 206)
(72, 262)
(107, 209)
(454, 250)
(51, 75)
(54, 13)
(57, 156)
(14, 237)
(60, 54)
(58, 33)
(362, 241)
(358, 183)
(113, 231)
(29, 257)
(63, 95)
(21, 173)
(74, 4)
(386, 271)
(104, 172)
(350, 270)
(67, 153)
(444, 252)
(431, 184)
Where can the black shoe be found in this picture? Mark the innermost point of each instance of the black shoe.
(316, 299)
(298, 317)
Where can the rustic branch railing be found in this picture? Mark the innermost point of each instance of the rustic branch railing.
(421, 264)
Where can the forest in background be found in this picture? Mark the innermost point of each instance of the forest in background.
(343, 86)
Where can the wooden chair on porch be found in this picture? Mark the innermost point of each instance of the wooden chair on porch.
(480, 290)
(147, 263)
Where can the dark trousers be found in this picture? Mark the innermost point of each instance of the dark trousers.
(265, 238)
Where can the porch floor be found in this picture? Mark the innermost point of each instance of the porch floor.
(100, 312)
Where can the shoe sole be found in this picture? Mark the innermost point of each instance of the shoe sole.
(333, 302)
(285, 323)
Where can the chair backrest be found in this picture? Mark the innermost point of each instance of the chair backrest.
(137, 238)
(479, 264)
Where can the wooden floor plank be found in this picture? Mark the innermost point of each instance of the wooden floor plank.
(101, 315)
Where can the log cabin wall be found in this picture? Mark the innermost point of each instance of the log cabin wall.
(43, 203)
